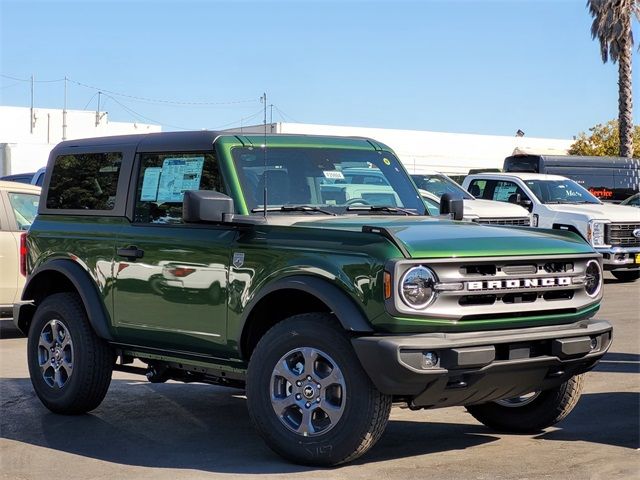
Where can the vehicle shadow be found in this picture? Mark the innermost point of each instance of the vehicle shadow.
(8, 329)
(619, 363)
(207, 428)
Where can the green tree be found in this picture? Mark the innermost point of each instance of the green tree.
(612, 27)
(604, 140)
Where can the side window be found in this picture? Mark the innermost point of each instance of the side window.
(24, 207)
(85, 181)
(477, 187)
(163, 179)
(506, 192)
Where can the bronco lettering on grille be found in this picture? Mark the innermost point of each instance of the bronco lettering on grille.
(519, 283)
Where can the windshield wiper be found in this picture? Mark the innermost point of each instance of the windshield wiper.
(294, 208)
(379, 208)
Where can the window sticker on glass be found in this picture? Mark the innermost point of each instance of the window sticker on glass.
(150, 184)
(333, 174)
(179, 175)
(386, 161)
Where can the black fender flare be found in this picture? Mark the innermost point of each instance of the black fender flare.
(346, 311)
(84, 285)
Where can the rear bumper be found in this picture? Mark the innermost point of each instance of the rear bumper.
(478, 367)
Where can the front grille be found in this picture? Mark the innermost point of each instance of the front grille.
(621, 234)
(521, 221)
(503, 287)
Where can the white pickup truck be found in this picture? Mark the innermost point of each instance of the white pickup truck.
(433, 185)
(560, 203)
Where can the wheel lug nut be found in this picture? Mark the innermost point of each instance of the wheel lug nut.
(298, 396)
(307, 405)
(299, 383)
(318, 400)
(309, 377)
(319, 386)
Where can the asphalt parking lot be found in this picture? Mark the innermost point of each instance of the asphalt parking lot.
(176, 431)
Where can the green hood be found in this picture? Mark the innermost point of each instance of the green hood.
(435, 238)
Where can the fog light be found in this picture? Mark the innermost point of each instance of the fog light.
(429, 359)
(594, 343)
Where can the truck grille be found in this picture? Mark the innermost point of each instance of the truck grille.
(504, 287)
(621, 234)
(522, 221)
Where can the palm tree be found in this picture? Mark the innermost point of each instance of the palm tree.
(612, 27)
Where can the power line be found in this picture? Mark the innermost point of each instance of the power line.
(139, 115)
(29, 80)
(158, 100)
(285, 116)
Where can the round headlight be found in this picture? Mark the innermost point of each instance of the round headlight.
(593, 278)
(416, 287)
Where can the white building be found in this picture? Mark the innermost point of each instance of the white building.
(420, 151)
(25, 144)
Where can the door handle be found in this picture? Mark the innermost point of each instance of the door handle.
(132, 252)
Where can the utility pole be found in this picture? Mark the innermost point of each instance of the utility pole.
(98, 110)
(33, 118)
(64, 111)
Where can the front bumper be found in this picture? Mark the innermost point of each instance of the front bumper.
(619, 257)
(478, 367)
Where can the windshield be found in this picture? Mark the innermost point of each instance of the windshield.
(439, 184)
(560, 191)
(331, 179)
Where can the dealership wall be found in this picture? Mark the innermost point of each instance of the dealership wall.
(423, 151)
(26, 149)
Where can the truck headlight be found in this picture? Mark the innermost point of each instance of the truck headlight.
(593, 278)
(417, 287)
(595, 233)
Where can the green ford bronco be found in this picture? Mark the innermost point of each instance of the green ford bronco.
(253, 262)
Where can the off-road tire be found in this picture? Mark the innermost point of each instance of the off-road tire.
(547, 409)
(92, 362)
(366, 410)
(626, 276)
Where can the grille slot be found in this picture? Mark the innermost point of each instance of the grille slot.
(518, 221)
(482, 269)
(621, 234)
(520, 269)
(520, 297)
(477, 300)
(558, 295)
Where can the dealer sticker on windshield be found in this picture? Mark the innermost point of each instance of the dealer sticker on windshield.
(333, 174)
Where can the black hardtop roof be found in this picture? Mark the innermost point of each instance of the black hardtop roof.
(146, 139)
(191, 140)
(577, 160)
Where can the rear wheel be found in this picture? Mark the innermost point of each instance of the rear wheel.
(532, 412)
(308, 396)
(70, 367)
(626, 275)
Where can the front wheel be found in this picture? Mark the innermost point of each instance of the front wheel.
(308, 396)
(626, 275)
(532, 412)
(70, 367)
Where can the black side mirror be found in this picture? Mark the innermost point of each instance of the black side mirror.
(207, 206)
(524, 202)
(452, 205)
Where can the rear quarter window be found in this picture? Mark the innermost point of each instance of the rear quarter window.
(85, 181)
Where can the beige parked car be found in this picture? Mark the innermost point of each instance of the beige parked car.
(18, 208)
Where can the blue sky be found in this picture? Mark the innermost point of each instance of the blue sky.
(458, 66)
